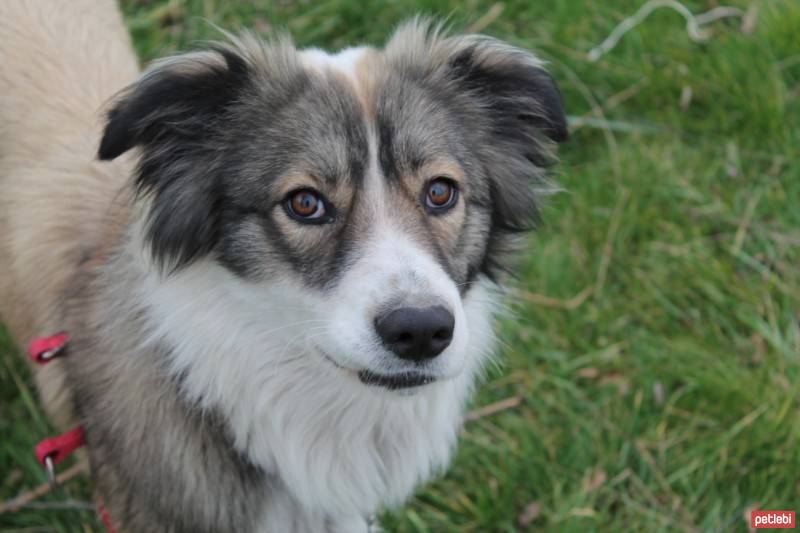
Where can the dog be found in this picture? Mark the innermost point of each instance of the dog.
(278, 268)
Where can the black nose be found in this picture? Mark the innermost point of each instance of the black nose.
(416, 333)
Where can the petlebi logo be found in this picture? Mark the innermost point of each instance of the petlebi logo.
(772, 519)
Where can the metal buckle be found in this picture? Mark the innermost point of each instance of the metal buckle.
(45, 357)
(50, 468)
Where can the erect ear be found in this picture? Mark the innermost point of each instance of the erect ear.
(174, 114)
(522, 96)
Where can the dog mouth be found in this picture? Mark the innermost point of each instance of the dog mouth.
(399, 381)
(405, 380)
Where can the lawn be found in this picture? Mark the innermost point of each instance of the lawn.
(651, 345)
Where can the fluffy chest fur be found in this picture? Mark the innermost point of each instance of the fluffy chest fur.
(341, 447)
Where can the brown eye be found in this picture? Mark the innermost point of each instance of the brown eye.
(441, 194)
(307, 205)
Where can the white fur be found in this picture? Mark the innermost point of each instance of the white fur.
(258, 352)
(344, 61)
(340, 446)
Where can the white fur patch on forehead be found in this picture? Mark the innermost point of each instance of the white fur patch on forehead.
(344, 62)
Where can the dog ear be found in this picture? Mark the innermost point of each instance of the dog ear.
(515, 88)
(175, 97)
(173, 113)
(523, 114)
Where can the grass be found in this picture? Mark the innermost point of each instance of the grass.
(656, 340)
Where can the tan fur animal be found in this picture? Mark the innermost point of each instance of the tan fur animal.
(60, 64)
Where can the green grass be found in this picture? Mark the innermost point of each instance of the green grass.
(667, 395)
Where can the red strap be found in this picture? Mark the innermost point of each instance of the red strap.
(43, 349)
(104, 518)
(59, 447)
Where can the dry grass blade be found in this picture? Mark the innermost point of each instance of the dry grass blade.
(557, 303)
(493, 408)
(26, 497)
(693, 23)
(490, 16)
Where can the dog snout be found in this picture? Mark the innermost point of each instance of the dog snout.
(416, 333)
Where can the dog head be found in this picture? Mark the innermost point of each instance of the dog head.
(371, 193)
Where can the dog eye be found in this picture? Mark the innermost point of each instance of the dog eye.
(441, 194)
(307, 205)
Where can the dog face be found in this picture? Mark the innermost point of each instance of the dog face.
(372, 190)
